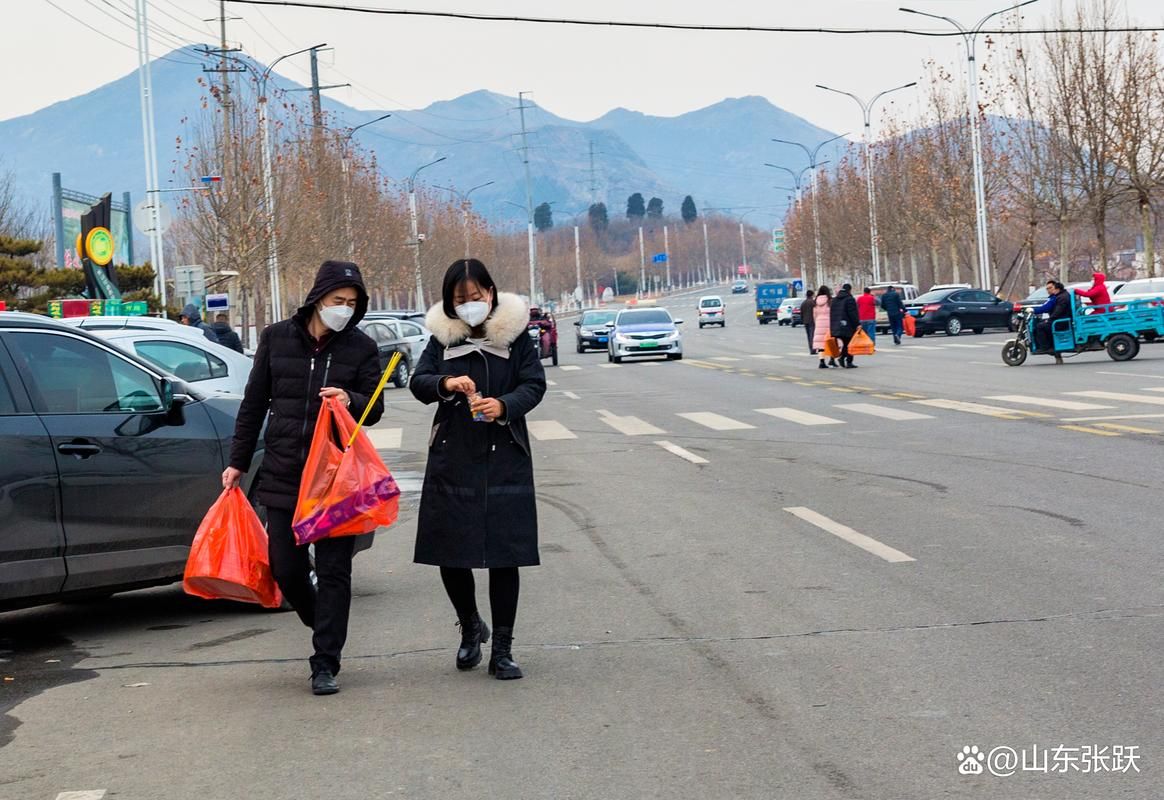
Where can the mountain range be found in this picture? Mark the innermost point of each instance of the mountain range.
(714, 154)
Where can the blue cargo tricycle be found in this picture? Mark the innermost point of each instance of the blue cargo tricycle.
(1117, 328)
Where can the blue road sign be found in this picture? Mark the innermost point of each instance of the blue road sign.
(798, 284)
(659, 258)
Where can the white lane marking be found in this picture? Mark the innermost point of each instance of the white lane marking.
(973, 408)
(571, 395)
(551, 383)
(1153, 389)
(609, 366)
(1124, 396)
(851, 536)
(569, 368)
(967, 346)
(87, 794)
(923, 347)
(1131, 375)
(545, 430)
(687, 455)
(1066, 405)
(724, 358)
(1113, 416)
(766, 356)
(799, 417)
(629, 426)
(872, 409)
(652, 363)
(385, 438)
(716, 422)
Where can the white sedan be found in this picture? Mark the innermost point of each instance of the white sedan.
(192, 359)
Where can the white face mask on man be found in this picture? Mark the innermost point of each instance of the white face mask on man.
(473, 314)
(336, 317)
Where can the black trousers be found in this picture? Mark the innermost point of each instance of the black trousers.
(325, 610)
(504, 587)
(844, 340)
(810, 331)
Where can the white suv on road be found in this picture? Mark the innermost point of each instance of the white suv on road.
(711, 311)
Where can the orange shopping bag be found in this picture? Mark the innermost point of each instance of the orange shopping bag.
(228, 558)
(861, 344)
(346, 490)
(831, 348)
(909, 325)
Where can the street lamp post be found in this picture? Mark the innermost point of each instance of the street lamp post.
(416, 240)
(464, 197)
(269, 186)
(813, 164)
(642, 261)
(970, 37)
(867, 112)
(706, 254)
(344, 142)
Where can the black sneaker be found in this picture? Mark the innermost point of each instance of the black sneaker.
(323, 682)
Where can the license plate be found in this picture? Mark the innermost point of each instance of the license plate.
(602, 340)
(648, 344)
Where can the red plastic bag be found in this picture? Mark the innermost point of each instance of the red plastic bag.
(228, 559)
(345, 490)
(909, 325)
(861, 344)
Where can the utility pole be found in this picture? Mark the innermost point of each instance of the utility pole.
(706, 253)
(593, 179)
(157, 255)
(642, 261)
(667, 256)
(533, 255)
(578, 266)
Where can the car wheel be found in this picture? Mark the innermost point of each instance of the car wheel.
(701, 326)
(953, 326)
(674, 356)
(402, 374)
(1123, 347)
(1014, 353)
(616, 359)
(581, 349)
(763, 322)
(978, 331)
(610, 356)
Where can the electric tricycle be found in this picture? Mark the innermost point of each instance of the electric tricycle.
(1118, 328)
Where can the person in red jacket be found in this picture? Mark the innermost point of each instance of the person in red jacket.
(867, 312)
(1097, 293)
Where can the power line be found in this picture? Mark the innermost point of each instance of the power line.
(679, 26)
(201, 31)
(100, 32)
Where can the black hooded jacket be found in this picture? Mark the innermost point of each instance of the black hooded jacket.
(844, 318)
(191, 312)
(290, 367)
(227, 336)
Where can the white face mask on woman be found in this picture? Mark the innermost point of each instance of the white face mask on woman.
(336, 317)
(473, 314)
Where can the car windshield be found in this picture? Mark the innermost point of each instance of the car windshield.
(714, 303)
(597, 317)
(934, 297)
(741, 283)
(645, 317)
(1037, 296)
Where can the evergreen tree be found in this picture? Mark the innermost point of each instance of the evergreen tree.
(598, 217)
(655, 208)
(543, 217)
(689, 212)
(636, 207)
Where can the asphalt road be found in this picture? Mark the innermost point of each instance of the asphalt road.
(760, 580)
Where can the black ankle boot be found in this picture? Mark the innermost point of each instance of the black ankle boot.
(474, 633)
(501, 663)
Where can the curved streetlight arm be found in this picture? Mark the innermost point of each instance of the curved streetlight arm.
(989, 17)
(475, 188)
(816, 152)
(864, 107)
(271, 66)
(348, 136)
(412, 177)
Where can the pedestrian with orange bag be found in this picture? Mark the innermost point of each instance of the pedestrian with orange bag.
(822, 320)
(478, 507)
(319, 352)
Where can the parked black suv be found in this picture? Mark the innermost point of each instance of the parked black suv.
(108, 468)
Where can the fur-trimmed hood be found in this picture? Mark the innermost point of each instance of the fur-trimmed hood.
(508, 321)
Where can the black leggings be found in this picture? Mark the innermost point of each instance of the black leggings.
(504, 585)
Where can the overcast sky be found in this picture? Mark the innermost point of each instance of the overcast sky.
(576, 72)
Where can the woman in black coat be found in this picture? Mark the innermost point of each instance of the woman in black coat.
(845, 321)
(478, 508)
(317, 353)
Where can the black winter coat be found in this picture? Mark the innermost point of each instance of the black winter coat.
(227, 336)
(806, 312)
(892, 305)
(478, 507)
(290, 367)
(844, 320)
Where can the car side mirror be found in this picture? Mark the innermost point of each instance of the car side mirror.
(167, 391)
(678, 322)
(609, 326)
(578, 324)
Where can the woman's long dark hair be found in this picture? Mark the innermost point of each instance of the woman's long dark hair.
(826, 291)
(461, 270)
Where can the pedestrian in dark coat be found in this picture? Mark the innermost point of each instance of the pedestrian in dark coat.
(317, 353)
(845, 320)
(190, 315)
(226, 334)
(894, 308)
(807, 318)
(478, 507)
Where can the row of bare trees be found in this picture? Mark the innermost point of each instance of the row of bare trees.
(1073, 149)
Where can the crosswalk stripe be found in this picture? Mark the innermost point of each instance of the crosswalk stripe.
(1067, 405)
(897, 414)
(545, 430)
(609, 366)
(1154, 389)
(569, 368)
(571, 395)
(551, 383)
(972, 408)
(629, 426)
(923, 347)
(799, 417)
(766, 356)
(651, 363)
(866, 543)
(716, 422)
(1126, 397)
(967, 346)
(385, 438)
(87, 794)
(686, 455)
(724, 358)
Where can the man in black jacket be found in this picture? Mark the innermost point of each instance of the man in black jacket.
(894, 308)
(191, 316)
(844, 321)
(317, 353)
(807, 319)
(226, 335)
(1058, 306)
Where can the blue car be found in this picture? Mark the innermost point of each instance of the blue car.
(645, 332)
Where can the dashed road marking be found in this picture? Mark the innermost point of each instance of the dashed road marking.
(569, 368)
(866, 543)
(546, 430)
(799, 417)
(1066, 405)
(1124, 396)
(1111, 417)
(766, 356)
(1127, 428)
(571, 395)
(551, 383)
(724, 358)
(609, 366)
(629, 426)
(973, 408)
(716, 422)
(896, 414)
(87, 794)
(1084, 429)
(967, 346)
(686, 455)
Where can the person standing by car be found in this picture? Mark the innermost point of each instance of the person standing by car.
(319, 352)
(478, 508)
(807, 318)
(845, 320)
(821, 321)
(226, 334)
(190, 315)
(867, 311)
(894, 308)
(1097, 293)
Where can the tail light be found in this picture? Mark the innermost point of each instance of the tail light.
(929, 307)
(1017, 307)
